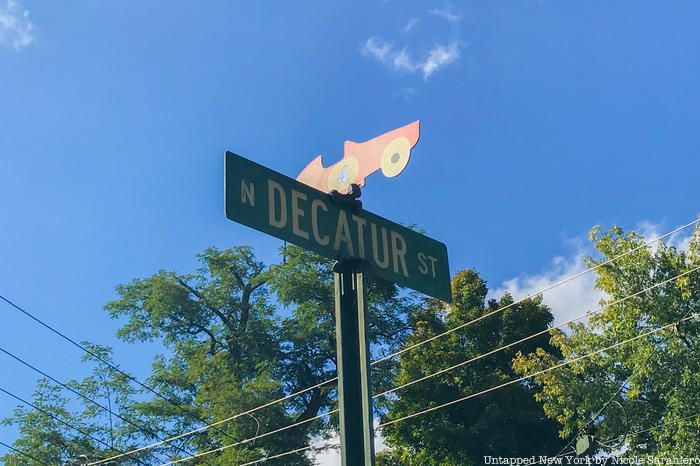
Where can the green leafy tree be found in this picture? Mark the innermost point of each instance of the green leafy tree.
(232, 349)
(43, 435)
(236, 334)
(222, 337)
(652, 381)
(305, 284)
(507, 422)
(57, 430)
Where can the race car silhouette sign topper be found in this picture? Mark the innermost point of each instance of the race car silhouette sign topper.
(389, 153)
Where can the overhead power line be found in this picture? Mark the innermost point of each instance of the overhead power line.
(534, 335)
(648, 429)
(334, 379)
(392, 355)
(335, 443)
(24, 453)
(113, 367)
(544, 371)
(497, 387)
(612, 398)
(248, 440)
(61, 421)
(622, 437)
(443, 405)
(290, 452)
(203, 428)
(536, 293)
(143, 429)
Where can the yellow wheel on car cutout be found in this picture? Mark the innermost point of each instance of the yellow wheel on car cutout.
(395, 157)
(343, 174)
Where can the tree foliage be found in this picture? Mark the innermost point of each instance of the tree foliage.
(58, 428)
(506, 422)
(656, 376)
(236, 334)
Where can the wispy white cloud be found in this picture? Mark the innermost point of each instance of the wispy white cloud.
(652, 231)
(427, 63)
(577, 296)
(566, 301)
(410, 25)
(15, 28)
(438, 57)
(377, 48)
(447, 13)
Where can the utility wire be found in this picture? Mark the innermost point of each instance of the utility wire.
(203, 428)
(534, 335)
(599, 412)
(536, 293)
(248, 440)
(612, 398)
(622, 437)
(473, 395)
(143, 429)
(23, 453)
(657, 426)
(291, 452)
(443, 405)
(113, 367)
(448, 369)
(57, 419)
(389, 356)
(521, 379)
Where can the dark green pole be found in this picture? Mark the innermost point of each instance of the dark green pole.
(356, 431)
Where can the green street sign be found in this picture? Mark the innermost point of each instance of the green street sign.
(295, 212)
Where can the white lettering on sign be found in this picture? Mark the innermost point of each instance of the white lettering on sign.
(398, 244)
(248, 193)
(433, 260)
(272, 188)
(297, 213)
(361, 224)
(352, 232)
(286, 209)
(423, 267)
(342, 233)
(384, 263)
(317, 204)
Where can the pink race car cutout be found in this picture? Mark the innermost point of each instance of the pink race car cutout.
(389, 153)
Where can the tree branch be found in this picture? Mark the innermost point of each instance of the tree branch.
(201, 299)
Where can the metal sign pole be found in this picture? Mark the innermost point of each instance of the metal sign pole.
(337, 226)
(356, 430)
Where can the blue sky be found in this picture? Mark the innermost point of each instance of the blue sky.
(539, 119)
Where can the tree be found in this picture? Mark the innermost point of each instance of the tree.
(236, 334)
(52, 432)
(233, 349)
(223, 345)
(506, 422)
(652, 381)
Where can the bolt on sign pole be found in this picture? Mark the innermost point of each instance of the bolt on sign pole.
(356, 430)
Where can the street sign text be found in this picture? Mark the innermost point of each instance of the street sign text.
(290, 210)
